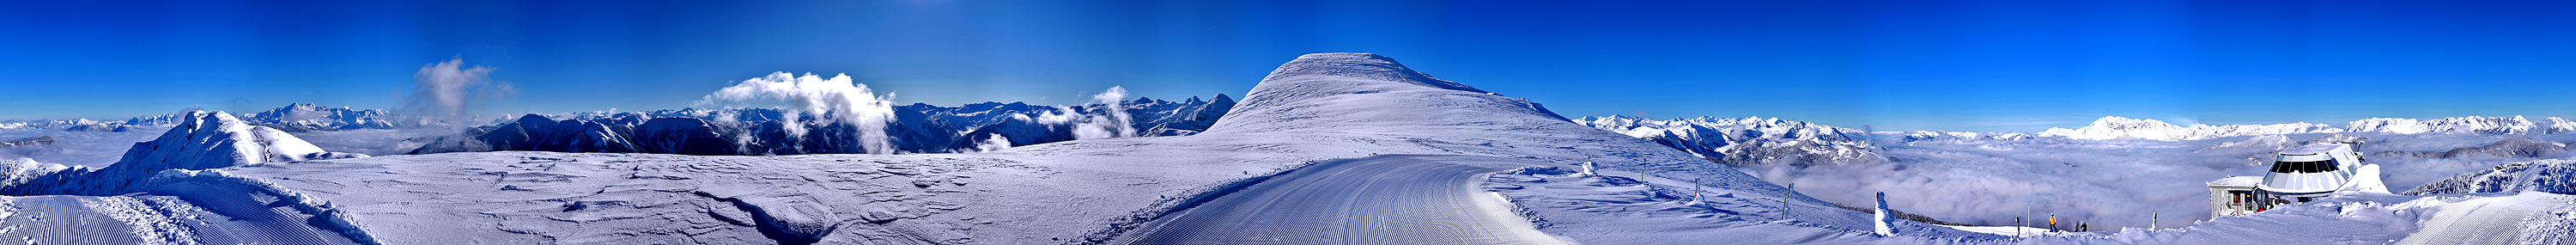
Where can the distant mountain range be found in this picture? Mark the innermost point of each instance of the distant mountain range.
(292, 118)
(916, 128)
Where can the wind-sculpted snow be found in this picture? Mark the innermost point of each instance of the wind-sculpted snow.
(1751, 140)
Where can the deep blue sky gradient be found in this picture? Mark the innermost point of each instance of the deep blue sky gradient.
(1890, 65)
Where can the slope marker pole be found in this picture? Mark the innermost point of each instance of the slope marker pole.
(1784, 200)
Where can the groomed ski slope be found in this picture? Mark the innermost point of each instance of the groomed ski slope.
(2496, 220)
(1391, 199)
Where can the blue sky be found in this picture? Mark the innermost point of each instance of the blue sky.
(1890, 65)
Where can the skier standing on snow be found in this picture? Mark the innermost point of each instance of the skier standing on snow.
(2052, 222)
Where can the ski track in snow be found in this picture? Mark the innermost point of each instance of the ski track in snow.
(2487, 221)
(1388, 199)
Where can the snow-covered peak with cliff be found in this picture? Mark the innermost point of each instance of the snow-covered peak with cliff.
(2464, 125)
(301, 116)
(1749, 140)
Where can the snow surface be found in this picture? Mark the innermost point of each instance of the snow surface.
(1422, 199)
(1318, 108)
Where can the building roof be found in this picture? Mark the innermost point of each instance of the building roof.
(2236, 181)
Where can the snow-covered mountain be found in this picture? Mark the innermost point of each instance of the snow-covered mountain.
(2150, 129)
(163, 120)
(292, 117)
(1750, 140)
(2551, 175)
(203, 140)
(302, 116)
(916, 128)
(2273, 142)
(50, 124)
(1959, 137)
(2463, 125)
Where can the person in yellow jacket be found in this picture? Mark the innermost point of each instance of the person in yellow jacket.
(2052, 222)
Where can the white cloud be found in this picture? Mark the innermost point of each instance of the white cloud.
(1113, 120)
(448, 88)
(832, 100)
(997, 142)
